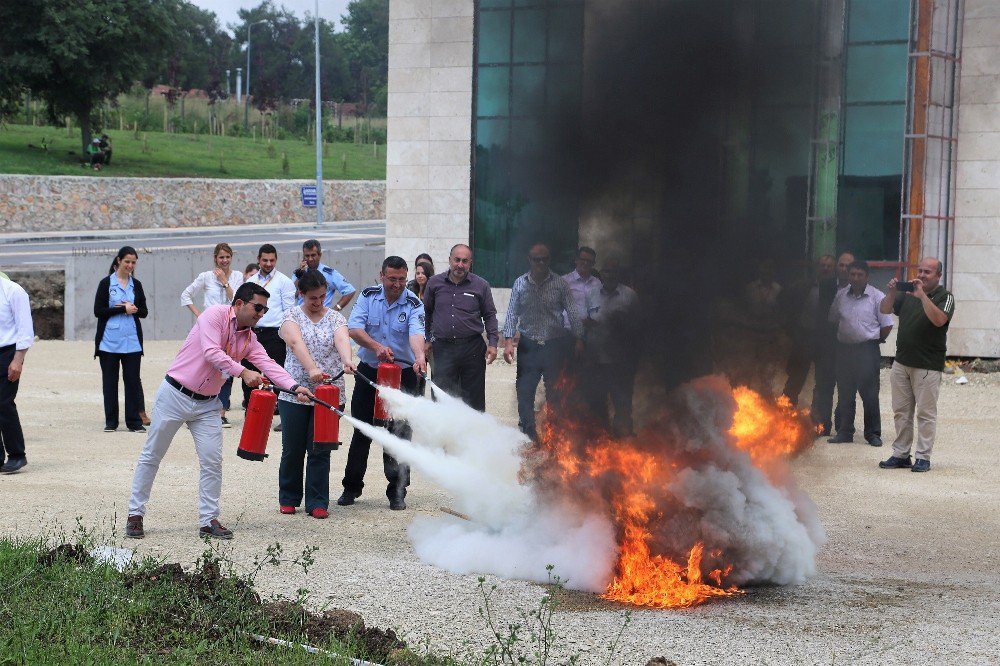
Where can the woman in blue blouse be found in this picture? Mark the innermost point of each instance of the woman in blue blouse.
(119, 305)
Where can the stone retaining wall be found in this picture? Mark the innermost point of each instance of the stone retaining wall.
(74, 203)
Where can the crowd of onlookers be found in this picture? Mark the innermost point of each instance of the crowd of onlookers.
(291, 329)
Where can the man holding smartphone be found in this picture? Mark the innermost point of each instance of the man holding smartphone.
(924, 308)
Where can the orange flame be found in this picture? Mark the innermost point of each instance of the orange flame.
(768, 432)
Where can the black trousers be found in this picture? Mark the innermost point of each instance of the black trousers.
(363, 409)
(536, 362)
(460, 369)
(11, 435)
(130, 365)
(800, 357)
(857, 372)
(614, 383)
(275, 348)
(826, 381)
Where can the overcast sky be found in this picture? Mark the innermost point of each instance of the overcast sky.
(331, 10)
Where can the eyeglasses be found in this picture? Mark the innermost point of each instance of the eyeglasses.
(539, 260)
(259, 308)
(401, 280)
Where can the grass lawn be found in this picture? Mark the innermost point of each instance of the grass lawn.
(183, 155)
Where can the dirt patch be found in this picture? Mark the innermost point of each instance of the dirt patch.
(64, 552)
(46, 291)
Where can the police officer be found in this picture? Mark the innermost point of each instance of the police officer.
(388, 324)
(311, 255)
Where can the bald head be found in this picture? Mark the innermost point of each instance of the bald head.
(929, 272)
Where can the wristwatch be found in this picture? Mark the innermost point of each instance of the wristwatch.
(337, 307)
(295, 387)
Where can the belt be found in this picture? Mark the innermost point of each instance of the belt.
(186, 391)
(465, 339)
(264, 328)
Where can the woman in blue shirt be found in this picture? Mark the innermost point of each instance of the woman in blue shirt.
(119, 305)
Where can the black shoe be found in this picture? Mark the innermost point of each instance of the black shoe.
(397, 504)
(277, 428)
(108, 428)
(13, 466)
(346, 499)
(137, 429)
(226, 423)
(133, 527)
(892, 462)
(841, 438)
(920, 465)
(215, 530)
(874, 440)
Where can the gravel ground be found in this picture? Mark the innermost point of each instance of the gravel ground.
(909, 573)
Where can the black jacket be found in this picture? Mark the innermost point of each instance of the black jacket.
(103, 312)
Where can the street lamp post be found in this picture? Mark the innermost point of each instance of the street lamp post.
(246, 109)
(319, 130)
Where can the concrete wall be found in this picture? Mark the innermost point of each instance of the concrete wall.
(975, 275)
(429, 126)
(164, 275)
(73, 203)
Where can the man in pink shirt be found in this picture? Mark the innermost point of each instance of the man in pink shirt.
(220, 339)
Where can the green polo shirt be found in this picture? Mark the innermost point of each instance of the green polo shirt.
(919, 343)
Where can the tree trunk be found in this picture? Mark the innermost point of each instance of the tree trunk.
(83, 118)
(146, 121)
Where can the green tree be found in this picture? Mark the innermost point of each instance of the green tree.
(366, 26)
(75, 54)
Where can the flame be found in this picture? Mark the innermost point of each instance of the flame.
(632, 482)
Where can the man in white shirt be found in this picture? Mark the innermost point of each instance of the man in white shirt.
(16, 335)
(861, 327)
(282, 298)
(582, 281)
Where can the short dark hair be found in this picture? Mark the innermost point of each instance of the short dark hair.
(266, 248)
(248, 290)
(426, 265)
(588, 250)
(311, 280)
(860, 265)
(312, 244)
(394, 262)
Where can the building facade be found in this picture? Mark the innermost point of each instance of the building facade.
(872, 125)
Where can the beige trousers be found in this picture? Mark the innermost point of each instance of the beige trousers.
(914, 390)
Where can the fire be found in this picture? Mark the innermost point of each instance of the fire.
(633, 482)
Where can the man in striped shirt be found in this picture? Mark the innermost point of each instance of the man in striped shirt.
(924, 313)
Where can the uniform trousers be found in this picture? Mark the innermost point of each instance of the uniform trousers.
(537, 362)
(275, 348)
(134, 398)
(460, 369)
(613, 382)
(363, 409)
(914, 391)
(857, 373)
(11, 434)
(298, 455)
(826, 380)
(172, 409)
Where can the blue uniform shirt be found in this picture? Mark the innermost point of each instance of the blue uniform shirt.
(334, 282)
(389, 325)
(120, 335)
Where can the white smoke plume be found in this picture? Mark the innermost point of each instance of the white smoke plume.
(715, 494)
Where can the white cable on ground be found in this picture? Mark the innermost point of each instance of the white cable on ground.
(308, 648)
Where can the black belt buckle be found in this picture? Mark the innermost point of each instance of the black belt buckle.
(186, 391)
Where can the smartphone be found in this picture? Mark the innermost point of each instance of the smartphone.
(905, 287)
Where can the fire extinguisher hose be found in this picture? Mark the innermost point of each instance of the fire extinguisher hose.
(316, 400)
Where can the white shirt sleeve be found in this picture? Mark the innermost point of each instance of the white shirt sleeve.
(188, 293)
(16, 326)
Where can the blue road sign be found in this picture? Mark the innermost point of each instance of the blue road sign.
(308, 196)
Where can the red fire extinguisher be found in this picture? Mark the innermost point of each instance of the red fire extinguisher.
(391, 375)
(257, 424)
(326, 422)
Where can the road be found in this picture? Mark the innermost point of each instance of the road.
(52, 249)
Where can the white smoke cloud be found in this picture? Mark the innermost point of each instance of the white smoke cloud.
(768, 532)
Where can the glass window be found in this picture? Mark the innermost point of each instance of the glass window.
(528, 91)
(493, 92)
(878, 20)
(873, 140)
(876, 73)
(494, 37)
(529, 36)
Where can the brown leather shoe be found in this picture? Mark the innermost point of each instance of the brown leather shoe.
(133, 527)
(145, 418)
(215, 530)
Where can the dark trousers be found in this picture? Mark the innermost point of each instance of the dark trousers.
(460, 369)
(297, 452)
(857, 372)
(536, 362)
(612, 382)
(800, 357)
(11, 435)
(275, 348)
(225, 392)
(130, 364)
(826, 380)
(363, 409)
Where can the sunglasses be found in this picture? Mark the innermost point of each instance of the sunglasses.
(539, 260)
(259, 308)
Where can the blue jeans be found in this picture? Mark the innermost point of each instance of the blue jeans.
(536, 362)
(297, 453)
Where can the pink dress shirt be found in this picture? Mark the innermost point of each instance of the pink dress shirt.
(214, 348)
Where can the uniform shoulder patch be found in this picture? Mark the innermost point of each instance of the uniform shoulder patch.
(412, 300)
(327, 269)
(370, 291)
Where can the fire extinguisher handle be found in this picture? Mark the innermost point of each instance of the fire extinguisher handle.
(314, 399)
